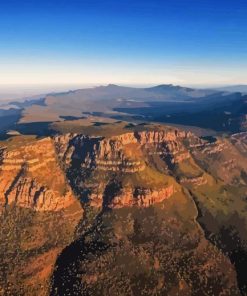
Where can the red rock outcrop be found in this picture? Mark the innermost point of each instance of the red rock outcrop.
(126, 154)
(142, 197)
(129, 197)
(25, 169)
(30, 177)
(119, 153)
(197, 181)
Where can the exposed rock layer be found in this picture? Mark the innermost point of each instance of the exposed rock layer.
(133, 171)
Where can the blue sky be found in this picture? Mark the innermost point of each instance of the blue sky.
(127, 42)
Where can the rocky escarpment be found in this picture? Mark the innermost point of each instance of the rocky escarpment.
(97, 152)
(120, 181)
(240, 141)
(24, 168)
(118, 153)
(141, 197)
(198, 181)
(128, 157)
(25, 178)
(223, 158)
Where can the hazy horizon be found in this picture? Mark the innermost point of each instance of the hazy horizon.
(17, 92)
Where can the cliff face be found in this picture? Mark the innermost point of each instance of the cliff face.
(126, 157)
(141, 197)
(224, 159)
(38, 215)
(30, 177)
(44, 175)
(119, 151)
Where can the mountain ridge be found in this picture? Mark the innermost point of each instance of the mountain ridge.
(167, 103)
(123, 183)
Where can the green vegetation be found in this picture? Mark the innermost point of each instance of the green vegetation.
(188, 168)
(29, 245)
(149, 178)
(136, 251)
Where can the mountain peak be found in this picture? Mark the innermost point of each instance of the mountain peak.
(113, 85)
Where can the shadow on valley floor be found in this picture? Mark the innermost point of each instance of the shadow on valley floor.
(8, 120)
(35, 128)
(66, 277)
(229, 242)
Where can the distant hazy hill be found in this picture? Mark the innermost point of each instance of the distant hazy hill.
(110, 99)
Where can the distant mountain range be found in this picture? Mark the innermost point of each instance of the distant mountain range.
(222, 110)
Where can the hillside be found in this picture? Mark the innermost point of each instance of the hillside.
(147, 209)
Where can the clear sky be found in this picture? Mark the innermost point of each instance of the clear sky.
(126, 42)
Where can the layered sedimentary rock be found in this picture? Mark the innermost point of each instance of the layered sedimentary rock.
(240, 141)
(38, 214)
(121, 152)
(24, 169)
(198, 181)
(30, 177)
(224, 158)
(124, 154)
(129, 197)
